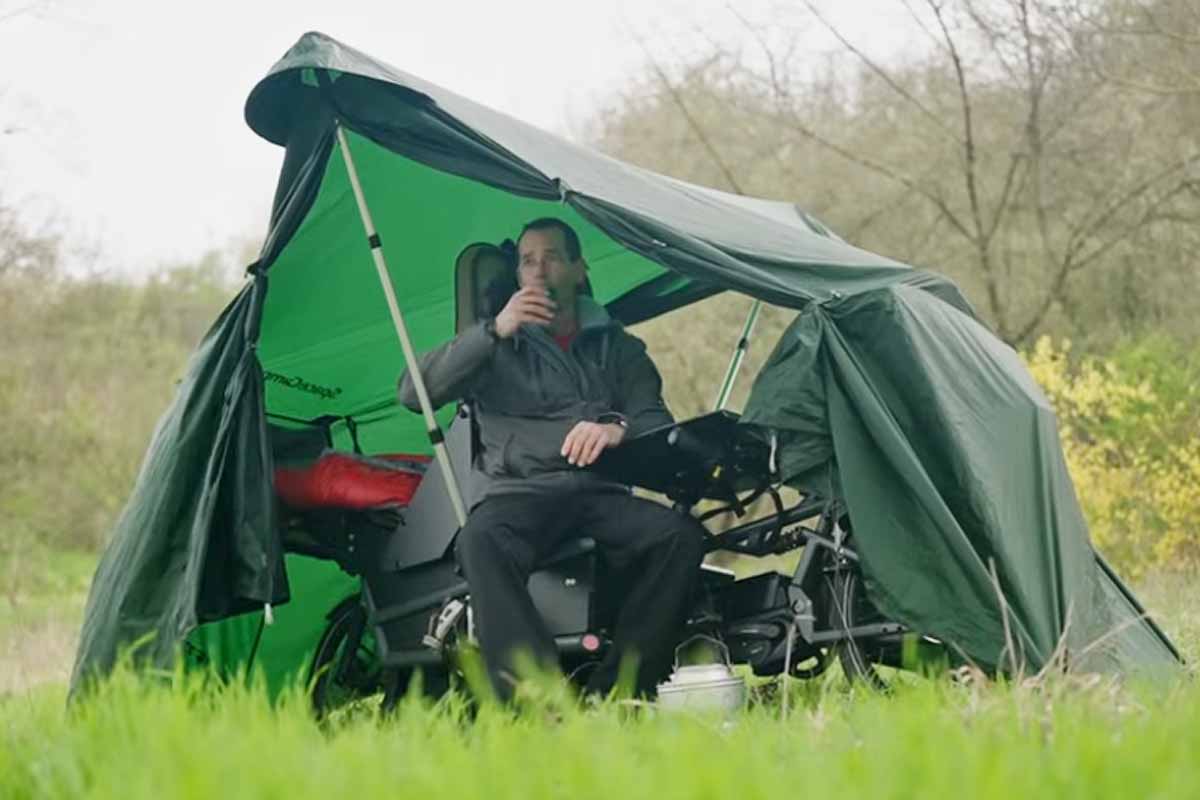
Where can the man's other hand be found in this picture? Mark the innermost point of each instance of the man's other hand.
(530, 304)
(587, 440)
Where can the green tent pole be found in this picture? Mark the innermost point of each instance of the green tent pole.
(735, 360)
(410, 356)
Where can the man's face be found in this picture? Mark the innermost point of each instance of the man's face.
(543, 260)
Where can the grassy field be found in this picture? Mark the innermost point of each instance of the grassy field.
(1067, 738)
(930, 739)
(41, 609)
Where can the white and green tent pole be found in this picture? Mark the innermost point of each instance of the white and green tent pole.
(735, 360)
(410, 356)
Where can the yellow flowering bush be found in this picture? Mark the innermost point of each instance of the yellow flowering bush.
(1129, 431)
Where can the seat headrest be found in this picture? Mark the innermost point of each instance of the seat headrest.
(485, 277)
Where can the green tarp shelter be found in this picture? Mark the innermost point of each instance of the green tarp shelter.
(886, 387)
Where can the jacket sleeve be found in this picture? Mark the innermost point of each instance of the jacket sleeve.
(451, 370)
(639, 395)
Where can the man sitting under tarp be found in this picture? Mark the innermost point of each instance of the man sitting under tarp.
(554, 381)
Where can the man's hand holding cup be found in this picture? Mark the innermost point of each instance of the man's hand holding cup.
(529, 304)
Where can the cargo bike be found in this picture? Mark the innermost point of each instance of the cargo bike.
(414, 610)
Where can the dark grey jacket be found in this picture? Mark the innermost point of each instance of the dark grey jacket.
(527, 394)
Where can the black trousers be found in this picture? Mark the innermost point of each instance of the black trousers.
(655, 549)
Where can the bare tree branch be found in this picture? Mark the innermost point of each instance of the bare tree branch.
(970, 177)
(874, 166)
(912, 12)
(695, 126)
(1084, 231)
(884, 170)
(968, 140)
(1091, 23)
(1146, 88)
(881, 72)
(776, 82)
(1155, 28)
(1014, 164)
(867, 220)
(1128, 231)
(997, 39)
(1071, 263)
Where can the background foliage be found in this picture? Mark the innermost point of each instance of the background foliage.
(1128, 426)
(86, 366)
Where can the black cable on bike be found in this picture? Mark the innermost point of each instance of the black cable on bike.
(262, 623)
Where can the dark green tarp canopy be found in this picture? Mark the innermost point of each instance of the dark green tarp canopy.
(886, 388)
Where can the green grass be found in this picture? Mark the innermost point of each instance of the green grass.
(932, 739)
(136, 738)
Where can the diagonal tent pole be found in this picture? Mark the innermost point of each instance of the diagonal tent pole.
(410, 356)
(735, 360)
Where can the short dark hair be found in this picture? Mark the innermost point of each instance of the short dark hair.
(574, 250)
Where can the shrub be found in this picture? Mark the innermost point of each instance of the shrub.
(1128, 424)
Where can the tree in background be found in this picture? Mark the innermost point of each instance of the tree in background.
(87, 364)
(1151, 47)
(22, 251)
(1061, 199)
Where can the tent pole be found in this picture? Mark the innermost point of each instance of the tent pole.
(735, 360)
(410, 356)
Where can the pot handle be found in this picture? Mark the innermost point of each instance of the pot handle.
(707, 638)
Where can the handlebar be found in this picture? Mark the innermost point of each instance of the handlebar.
(703, 457)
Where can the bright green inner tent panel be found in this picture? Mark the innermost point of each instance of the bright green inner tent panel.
(286, 646)
(328, 345)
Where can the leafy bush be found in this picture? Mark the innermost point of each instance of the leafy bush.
(1129, 425)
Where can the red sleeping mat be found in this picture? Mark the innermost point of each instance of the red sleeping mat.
(342, 480)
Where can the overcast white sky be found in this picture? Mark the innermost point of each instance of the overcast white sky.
(128, 113)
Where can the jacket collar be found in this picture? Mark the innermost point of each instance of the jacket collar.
(591, 314)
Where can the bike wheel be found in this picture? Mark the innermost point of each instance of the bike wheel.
(849, 608)
(343, 667)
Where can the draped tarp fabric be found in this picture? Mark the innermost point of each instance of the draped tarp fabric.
(886, 390)
(947, 455)
(196, 540)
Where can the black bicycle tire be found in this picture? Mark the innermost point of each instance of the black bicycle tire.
(855, 664)
(328, 646)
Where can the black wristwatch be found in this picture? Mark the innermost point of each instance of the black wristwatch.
(613, 418)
